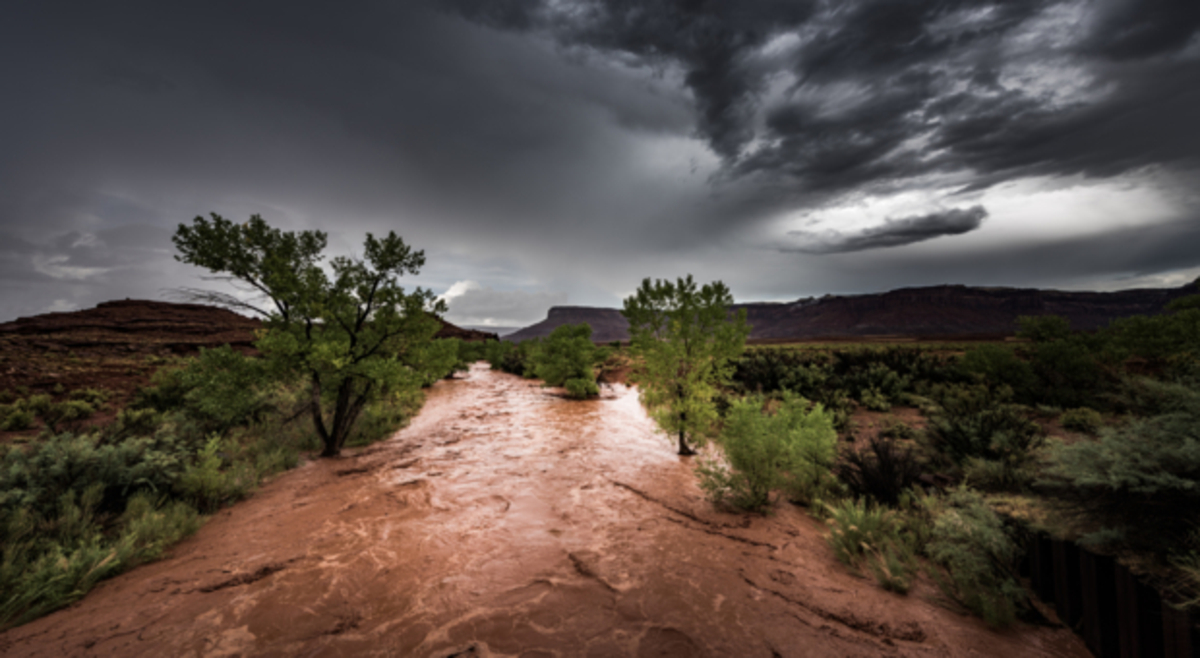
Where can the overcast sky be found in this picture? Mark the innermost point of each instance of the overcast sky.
(559, 151)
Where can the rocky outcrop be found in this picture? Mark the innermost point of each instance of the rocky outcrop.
(934, 311)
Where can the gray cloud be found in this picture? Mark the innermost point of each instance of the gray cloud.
(958, 88)
(573, 145)
(892, 233)
(473, 304)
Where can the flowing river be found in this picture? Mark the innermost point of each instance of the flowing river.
(508, 521)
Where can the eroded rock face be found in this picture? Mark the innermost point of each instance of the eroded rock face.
(936, 311)
(506, 520)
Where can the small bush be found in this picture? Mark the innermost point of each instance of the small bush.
(1082, 419)
(791, 449)
(979, 557)
(882, 472)
(17, 418)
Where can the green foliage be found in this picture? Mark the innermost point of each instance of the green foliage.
(864, 533)
(1069, 372)
(1143, 475)
(1043, 328)
(791, 449)
(513, 358)
(214, 479)
(471, 351)
(568, 357)
(999, 366)
(978, 555)
(1088, 421)
(383, 418)
(975, 422)
(685, 339)
(47, 562)
(1158, 338)
(93, 396)
(17, 417)
(353, 332)
(221, 388)
(434, 360)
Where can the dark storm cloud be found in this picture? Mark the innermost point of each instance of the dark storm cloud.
(885, 92)
(893, 232)
(1100, 260)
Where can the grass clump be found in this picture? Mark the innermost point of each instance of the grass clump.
(791, 449)
(862, 533)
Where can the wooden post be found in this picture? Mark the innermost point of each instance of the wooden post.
(1099, 623)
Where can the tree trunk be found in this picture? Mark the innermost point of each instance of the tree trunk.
(345, 412)
(684, 450)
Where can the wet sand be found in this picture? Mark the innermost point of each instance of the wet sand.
(507, 521)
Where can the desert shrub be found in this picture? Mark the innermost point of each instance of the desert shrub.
(93, 396)
(896, 429)
(131, 422)
(978, 555)
(1088, 421)
(17, 417)
(1069, 373)
(768, 370)
(66, 414)
(1143, 475)
(1158, 338)
(792, 449)
(1043, 328)
(1000, 366)
(43, 472)
(862, 533)
(212, 480)
(568, 357)
(976, 422)
(875, 385)
(882, 472)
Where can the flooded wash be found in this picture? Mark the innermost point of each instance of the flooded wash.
(508, 521)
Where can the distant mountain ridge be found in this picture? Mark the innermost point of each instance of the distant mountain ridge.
(947, 310)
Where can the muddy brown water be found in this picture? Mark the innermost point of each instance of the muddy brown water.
(507, 521)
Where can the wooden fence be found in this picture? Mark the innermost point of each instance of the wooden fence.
(1117, 614)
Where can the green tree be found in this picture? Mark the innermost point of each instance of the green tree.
(685, 338)
(351, 330)
(568, 358)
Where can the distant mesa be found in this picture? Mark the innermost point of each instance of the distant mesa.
(952, 311)
(157, 327)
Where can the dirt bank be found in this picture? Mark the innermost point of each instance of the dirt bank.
(506, 521)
